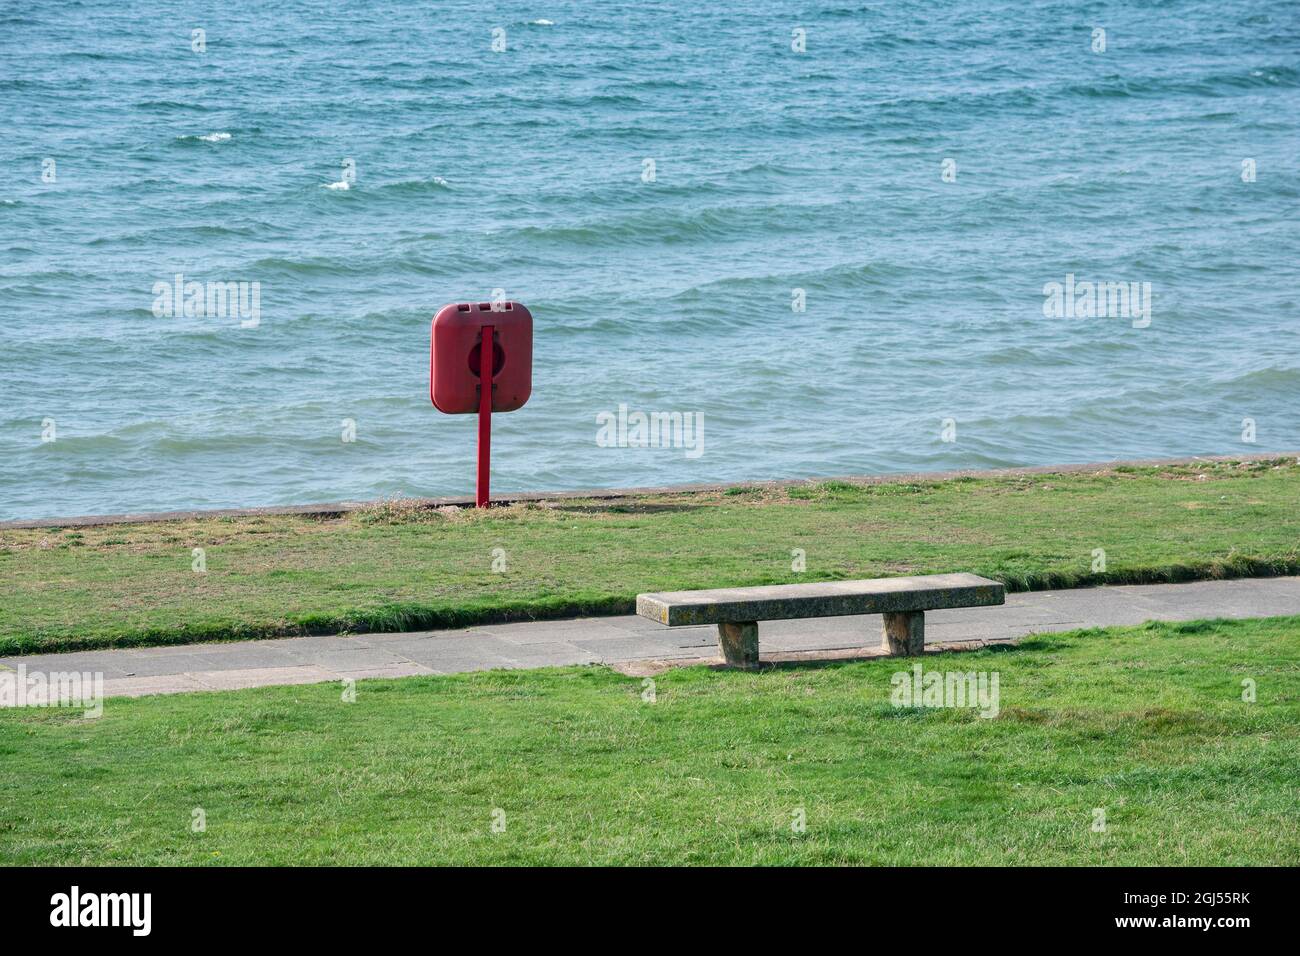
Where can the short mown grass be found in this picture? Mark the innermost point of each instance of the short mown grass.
(397, 566)
(583, 765)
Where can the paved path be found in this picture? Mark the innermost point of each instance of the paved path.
(629, 641)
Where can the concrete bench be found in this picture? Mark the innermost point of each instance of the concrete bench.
(902, 601)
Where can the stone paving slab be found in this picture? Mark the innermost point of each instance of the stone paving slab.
(551, 654)
(630, 647)
(262, 677)
(625, 641)
(143, 686)
(138, 665)
(407, 669)
(549, 632)
(349, 658)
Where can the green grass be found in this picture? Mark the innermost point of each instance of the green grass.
(1146, 723)
(396, 567)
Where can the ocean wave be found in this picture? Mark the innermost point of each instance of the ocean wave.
(154, 106)
(190, 139)
(842, 277)
(405, 188)
(441, 81)
(202, 232)
(339, 266)
(672, 226)
(1264, 381)
(1086, 353)
(315, 265)
(1158, 87)
(412, 187)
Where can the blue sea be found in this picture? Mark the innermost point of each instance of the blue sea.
(825, 229)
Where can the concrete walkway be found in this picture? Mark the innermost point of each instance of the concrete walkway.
(638, 645)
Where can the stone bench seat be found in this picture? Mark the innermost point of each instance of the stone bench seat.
(902, 601)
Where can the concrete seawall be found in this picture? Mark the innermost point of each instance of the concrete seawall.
(338, 508)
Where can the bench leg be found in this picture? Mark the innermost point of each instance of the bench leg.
(739, 643)
(904, 633)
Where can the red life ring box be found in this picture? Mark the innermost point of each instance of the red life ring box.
(454, 356)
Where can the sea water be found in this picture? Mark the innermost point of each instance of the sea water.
(832, 238)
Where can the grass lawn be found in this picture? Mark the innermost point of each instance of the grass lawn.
(1145, 723)
(394, 567)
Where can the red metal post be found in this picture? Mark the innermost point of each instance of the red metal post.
(486, 350)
